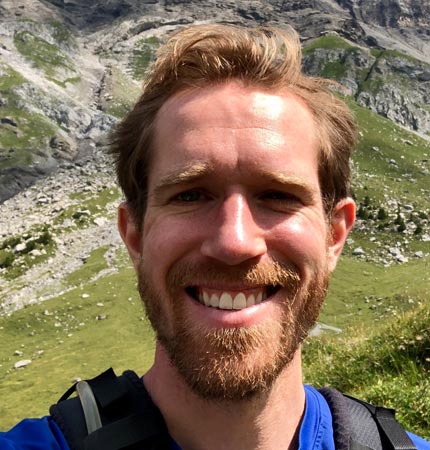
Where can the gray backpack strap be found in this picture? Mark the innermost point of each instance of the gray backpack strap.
(357, 425)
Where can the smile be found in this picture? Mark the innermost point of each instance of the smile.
(231, 300)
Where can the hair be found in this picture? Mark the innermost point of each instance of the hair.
(204, 55)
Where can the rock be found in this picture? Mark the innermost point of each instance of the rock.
(20, 247)
(100, 221)
(358, 251)
(22, 363)
(402, 259)
(8, 121)
(17, 353)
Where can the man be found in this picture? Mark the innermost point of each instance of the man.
(235, 169)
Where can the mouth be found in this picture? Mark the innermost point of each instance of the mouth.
(231, 299)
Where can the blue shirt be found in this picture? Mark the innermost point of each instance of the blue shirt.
(316, 431)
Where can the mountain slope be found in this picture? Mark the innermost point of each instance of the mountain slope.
(68, 69)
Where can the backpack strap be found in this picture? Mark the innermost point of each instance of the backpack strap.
(358, 425)
(129, 418)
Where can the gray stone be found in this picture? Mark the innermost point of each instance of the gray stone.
(22, 363)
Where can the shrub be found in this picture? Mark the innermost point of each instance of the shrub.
(6, 259)
(382, 215)
(45, 238)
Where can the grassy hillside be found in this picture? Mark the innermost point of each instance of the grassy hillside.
(384, 364)
(383, 355)
(381, 303)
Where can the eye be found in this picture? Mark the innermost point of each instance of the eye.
(188, 197)
(280, 201)
(280, 196)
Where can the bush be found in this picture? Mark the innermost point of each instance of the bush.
(418, 229)
(391, 368)
(382, 215)
(6, 259)
(11, 242)
(45, 238)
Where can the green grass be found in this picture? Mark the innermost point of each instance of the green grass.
(141, 57)
(328, 42)
(38, 238)
(74, 344)
(32, 133)
(368, 293)
(332, 69)
(92, 266)
(335, 69)
(387, 365)
(390, 140)
(63, 84)
(124, 94)
(23, 144)
(84, 211)
(62, 35)
(9, 77)
(383, 311)
(44, 55)
(377, 53)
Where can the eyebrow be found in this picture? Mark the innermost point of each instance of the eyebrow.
(197, 171)
(190, 173)
(289, 180)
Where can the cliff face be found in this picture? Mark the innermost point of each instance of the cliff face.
(70, 68)
(389, 83)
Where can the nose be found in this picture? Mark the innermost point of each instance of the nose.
(234, 236)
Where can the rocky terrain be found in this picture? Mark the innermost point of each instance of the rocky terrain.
(70, 69)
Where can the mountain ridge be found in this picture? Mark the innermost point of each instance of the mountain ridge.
(77, 66)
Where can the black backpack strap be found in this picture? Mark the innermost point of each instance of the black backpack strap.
(357, 425)
(130, 420)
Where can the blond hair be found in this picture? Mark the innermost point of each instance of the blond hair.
(265, 57)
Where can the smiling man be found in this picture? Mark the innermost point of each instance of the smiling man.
(235, 170)
(235, 248)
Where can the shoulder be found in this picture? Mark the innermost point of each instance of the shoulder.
(32, 433)
(420, 443)
(366, 423)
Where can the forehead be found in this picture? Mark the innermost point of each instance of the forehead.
(216, 103)
(232, 124)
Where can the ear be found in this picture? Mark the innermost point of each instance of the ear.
(129, 232)
(341, 222)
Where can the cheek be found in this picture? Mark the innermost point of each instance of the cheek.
(167, 240)
(301, 241)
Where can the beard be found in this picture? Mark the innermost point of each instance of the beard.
(232, 363)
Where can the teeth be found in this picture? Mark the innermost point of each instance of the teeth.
(206, 299)
(251, 300)
(239, 301)
(259, 298)
(227, 301)
(214, 301)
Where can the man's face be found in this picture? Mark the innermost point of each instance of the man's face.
(235, 250)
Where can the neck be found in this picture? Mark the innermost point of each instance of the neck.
(267, 421)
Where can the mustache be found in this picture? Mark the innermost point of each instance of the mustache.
(271, 272)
